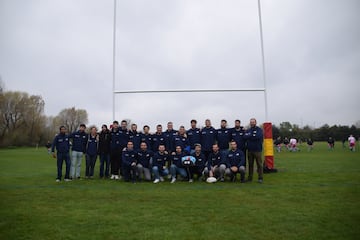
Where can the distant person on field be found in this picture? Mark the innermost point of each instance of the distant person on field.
(277, 144)
(48, 147)
(78, 149)
(287, 143)
(62, 145)
(352, 143)
(255, 137)
(293, 145)
(310, 144)
(331, 143)
(92, 146)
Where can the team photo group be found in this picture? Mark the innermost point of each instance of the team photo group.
(194, 154)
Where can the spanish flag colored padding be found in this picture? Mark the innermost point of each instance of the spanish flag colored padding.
(268, 145)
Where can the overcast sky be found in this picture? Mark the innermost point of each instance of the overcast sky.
(62, 50)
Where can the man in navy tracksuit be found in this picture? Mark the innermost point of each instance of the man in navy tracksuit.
(254, 137)
(223, 137)
(236, 162)
(62, 145)
(92, 146)
(115, 150)
(104, 151)
(129, 162)
(194, 135)
(237, 134)
(159, 169)
(144, 158)
(147, 137)
(169, 135)
(216, 163)
(158, 139)
(180, 139)
(78, 149)
(208, 138)
(124, 137)
(135, 137)
(200, 165)
(176, 164)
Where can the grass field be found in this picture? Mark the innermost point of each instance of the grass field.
(314, 195)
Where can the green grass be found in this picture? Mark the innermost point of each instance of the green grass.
(313, 196)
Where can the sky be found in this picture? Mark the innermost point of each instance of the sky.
(63, 51)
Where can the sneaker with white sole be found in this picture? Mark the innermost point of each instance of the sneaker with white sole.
(191, 180)
(67, 180)
(58, 180)
(116, 177)
(161, 179)
(173, 180)
(156, 180)
(112, 176)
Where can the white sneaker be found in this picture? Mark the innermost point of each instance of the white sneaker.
(161, 179)
(173, 180)
(117, 177)
(112, 176)
(67, 180)
(58, 180)
(191, 180)
(156, 180)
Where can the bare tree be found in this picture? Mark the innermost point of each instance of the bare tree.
(72, 118)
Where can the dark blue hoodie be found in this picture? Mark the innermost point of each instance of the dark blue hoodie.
(223, 138)
(235, 158)
(254, 137)
(61, 143)
(208, 138)
(78, 141)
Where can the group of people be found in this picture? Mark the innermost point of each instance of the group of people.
(136, 156)
(292, 144)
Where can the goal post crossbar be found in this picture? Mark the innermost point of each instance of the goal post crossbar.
(190, 91)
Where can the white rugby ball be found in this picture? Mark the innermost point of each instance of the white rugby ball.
(211, 180)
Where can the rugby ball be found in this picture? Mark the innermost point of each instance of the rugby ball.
(211, 180)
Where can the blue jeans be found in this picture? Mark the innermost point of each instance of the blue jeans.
(174, 170)
(157, 172)
(61, 157)
(104, 160)
(76, 158)
(90, 165)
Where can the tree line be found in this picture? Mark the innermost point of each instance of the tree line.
(23, 123)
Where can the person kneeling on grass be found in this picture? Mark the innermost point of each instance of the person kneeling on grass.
(235, 163)
(129, 162)
(62, 145)
(144, 158)
(176, 165)
(159, 169)
(199, 168)
(216, 163)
